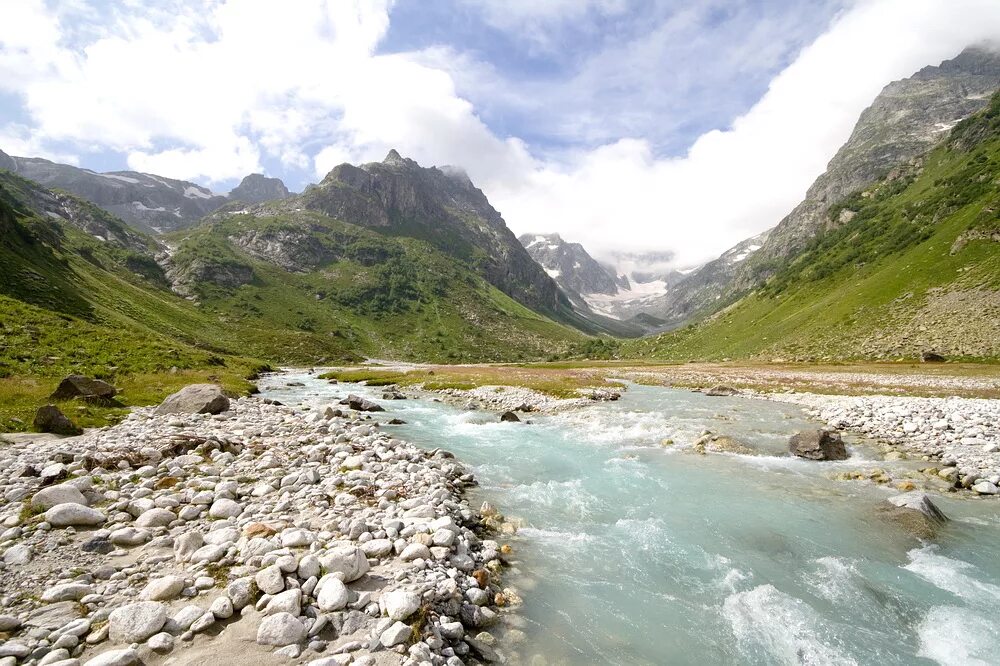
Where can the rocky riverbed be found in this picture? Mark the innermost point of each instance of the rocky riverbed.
(263, 533)
(961, 434)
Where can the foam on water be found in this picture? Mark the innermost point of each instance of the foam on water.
(956, 577)
(953, 636)
(781, 628)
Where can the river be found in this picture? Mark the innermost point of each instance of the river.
(636, 553)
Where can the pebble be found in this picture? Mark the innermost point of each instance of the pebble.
(256, 512)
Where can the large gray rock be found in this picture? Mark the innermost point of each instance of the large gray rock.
(123, 657)
(280, 630)
(915, 513)
(72, 514)
(136, 622)
(333, 594)
(818, 445)
(79, 386)
(400, 604)
(46, 498)
(348, 560)
(360, 404)
(50, 418)
(195, 399)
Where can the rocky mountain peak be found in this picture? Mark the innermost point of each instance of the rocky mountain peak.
(570, 265)
(7, 162)
(257, 187)
(430, 204)
(395, 159)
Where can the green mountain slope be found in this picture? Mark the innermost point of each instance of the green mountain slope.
(384, 296)
(908, 265)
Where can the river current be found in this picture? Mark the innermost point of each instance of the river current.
(636, 553)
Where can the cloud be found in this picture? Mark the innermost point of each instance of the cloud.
(737, 182)
(214, 91)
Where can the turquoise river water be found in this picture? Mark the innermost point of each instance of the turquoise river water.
(633, 553)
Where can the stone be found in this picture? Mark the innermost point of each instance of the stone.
(818, 445)
(225, 508)
(125, 657)
(986, 488)
(63, 493)
(136, 622)
(163, 589)
(348, 560)
(270, 580)
(54, 616)
(415, 551)
(400, 604)
(222, 608)
(155, 518)
(289, 601)
(9, 622)
(360, 404)
(50, 418)
(509, 417)
(914, 512)
(195, 399)
(79, 386)
(161, 642)
(241, 592)
(396, 634)
(280, 630)
(209, 553)
(73, 514)
(377, 548)
(66, 592)
(721, 390)
(18, 555)
(333, 595)
(129, 536)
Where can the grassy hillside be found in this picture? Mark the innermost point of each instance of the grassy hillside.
(386, 297)
(911, 264)
(83, 293)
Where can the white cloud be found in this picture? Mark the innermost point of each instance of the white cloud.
(209, 92)
(735, 183)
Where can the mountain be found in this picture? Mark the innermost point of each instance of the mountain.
(570, 265)
(257, 187)
(619, 304)
(441, 206)
(906, 119)
(905, 265)
(150, 203)
(85, 292)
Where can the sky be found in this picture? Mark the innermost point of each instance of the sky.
(678, 127)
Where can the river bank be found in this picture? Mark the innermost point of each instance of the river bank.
(749, 559)
(264, 533)
(960, 435)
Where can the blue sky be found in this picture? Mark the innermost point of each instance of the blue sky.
(679, 126)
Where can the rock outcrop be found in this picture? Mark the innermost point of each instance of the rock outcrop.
(87, 388)
(915, 513)
(818, 445)
(50, 418)
(257, 187)
(195, 399)
(443, 207)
